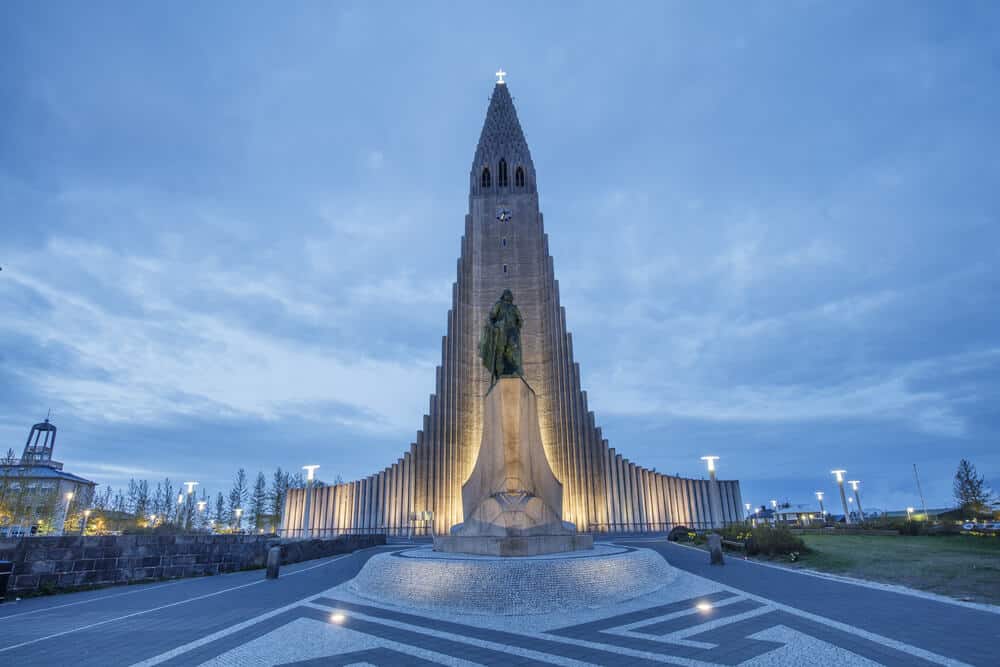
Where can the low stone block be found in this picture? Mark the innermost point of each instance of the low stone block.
(83, 565)
(43, 567)
(65, 565)
(715, 549)
(105, 563)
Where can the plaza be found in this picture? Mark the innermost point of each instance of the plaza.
(743, 613)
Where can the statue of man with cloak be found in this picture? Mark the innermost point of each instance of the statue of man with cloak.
(500, 343)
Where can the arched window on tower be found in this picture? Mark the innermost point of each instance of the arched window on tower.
(502, 174)
(519, 177)
(485, 180)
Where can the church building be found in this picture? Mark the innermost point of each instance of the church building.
(505, 246)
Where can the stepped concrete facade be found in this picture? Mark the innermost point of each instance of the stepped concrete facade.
(505, 247)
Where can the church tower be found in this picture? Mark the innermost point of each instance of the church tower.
(504, 246)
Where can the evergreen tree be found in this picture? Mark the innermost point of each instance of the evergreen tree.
(169, 509)
(971, 491)
(238, 495)
(156, 504)
(279, 489)
(258, 502)
(220, 510)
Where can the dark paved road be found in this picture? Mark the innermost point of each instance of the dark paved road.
(960, 632)
(120, 626)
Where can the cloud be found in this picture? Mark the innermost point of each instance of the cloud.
(161, 358)
(375, 160)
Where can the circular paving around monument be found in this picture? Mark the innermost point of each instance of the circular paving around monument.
(461, 583)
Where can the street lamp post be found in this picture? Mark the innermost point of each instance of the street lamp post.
(201, 513)
(822, 511)
(310, 476)
(65, 512)
(239, 514)
(843, 496)
(774, 510)
(857, 497)
(909, 514)
(83, 522)
(180, 503)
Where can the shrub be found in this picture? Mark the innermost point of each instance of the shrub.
(773, 541)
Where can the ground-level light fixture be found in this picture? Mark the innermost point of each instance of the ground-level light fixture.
(704, 607)
(338, 617)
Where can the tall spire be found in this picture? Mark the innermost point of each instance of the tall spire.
(502, 139)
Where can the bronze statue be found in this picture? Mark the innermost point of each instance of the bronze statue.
(500, 343)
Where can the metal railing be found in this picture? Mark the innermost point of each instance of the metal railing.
(424, 531)
(420, 531)
(648, 527)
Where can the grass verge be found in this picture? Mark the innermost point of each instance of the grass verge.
(960, 566)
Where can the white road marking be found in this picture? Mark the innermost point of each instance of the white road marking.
(874, 585)
(878, 639)
(184, 648)
(163, 606)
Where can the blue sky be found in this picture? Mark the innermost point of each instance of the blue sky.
(228, 234)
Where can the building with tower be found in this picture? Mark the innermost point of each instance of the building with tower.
(504, 246)
(36, 494)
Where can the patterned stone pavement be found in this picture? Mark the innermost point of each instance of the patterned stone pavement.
(311, 617)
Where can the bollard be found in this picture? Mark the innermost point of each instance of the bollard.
(273, 562)
(715, 549)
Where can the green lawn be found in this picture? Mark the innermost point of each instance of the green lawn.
(961, 566)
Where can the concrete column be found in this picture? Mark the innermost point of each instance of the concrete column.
(857, 499)
(305, 512)
(843, 496)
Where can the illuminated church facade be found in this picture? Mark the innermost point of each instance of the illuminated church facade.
(505, 246)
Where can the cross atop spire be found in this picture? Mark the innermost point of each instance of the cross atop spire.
(500, 75)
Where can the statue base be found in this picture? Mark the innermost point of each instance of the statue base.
(527, 545)
(512, 501)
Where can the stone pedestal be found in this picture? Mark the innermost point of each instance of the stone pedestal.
(512, 502)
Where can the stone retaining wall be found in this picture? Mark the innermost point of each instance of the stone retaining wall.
(48, 564)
